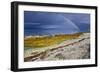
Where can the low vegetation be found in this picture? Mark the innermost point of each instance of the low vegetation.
(39, 42)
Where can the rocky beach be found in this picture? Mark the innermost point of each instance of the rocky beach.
(78, 48)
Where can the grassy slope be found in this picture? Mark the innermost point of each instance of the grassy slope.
(39, 42)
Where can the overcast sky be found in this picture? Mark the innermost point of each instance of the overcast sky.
(48, 23)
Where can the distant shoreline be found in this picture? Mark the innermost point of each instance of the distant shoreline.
(25, 36)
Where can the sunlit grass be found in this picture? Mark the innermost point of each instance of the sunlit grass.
(40, 42)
